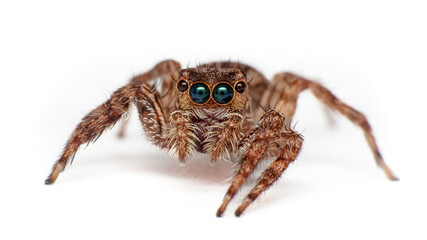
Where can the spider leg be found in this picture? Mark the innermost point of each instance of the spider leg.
(284, 92)
(257, 141)
(292, 146)
(223, 137)
(161, 74)
(107, 114)
(181, 138)
(94, 124)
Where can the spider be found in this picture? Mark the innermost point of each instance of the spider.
(217, 109)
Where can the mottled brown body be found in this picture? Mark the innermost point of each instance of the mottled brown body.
(220, 109)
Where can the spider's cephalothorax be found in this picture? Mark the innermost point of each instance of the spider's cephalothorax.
(211, 101)
(221, 109)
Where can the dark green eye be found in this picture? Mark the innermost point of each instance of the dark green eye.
(223, 93)
(199, 92)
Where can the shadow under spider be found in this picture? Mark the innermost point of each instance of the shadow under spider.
(197, 168)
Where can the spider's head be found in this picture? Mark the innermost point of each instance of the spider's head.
(211, 88)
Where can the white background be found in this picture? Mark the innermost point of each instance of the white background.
(60, 60)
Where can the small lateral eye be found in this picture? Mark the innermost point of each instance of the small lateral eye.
(240, 87)
(182, 86)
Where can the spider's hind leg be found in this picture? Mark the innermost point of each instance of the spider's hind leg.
(283, 95)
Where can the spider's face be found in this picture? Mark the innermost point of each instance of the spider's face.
(211, 88)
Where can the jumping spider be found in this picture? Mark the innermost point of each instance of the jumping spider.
(216, 109)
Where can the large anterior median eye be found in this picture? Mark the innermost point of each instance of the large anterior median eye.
(199, 92)
(223, 93)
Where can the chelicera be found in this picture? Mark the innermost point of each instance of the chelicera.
(220, 109)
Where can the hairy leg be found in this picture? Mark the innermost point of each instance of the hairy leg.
(283, 95)
(150, 114)
(292, 143)
(107, 114)
(164, 74)
(223, 137)
(181, 138)
(257, 142)
(167, 71)
(94, 124)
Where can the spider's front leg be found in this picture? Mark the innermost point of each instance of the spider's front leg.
(261, 141)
